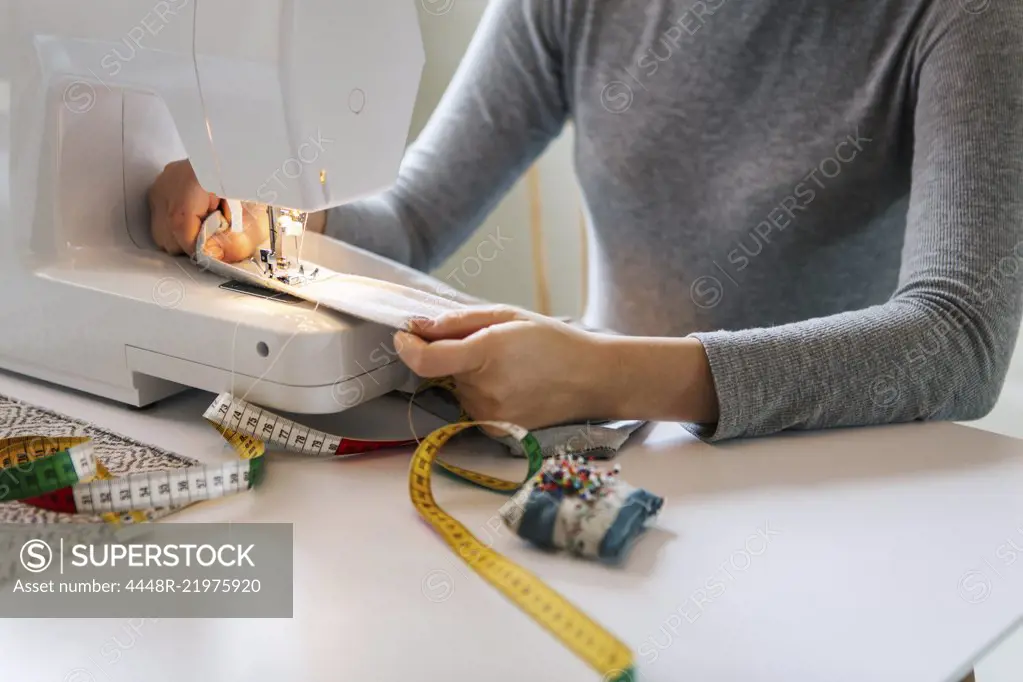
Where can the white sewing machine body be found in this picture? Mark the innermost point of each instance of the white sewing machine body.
(298, 103)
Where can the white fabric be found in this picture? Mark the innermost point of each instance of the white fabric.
(370, 299)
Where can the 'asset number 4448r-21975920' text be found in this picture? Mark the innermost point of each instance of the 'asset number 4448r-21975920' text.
(193, 585)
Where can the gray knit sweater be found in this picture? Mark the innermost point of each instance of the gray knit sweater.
(828, 194)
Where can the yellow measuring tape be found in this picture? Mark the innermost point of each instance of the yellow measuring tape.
(577, 631)
(63, 474)
(42, 469)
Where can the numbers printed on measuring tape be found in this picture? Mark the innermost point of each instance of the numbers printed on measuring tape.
(44, 469)
(255, 422)
(170, 488)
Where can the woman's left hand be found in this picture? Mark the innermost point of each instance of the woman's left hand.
(512, 365)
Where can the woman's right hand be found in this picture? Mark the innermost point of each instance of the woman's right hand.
(177, 207)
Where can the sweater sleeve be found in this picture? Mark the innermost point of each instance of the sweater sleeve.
(503, 106)
(940, 347)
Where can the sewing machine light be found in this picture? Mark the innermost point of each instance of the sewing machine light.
(291, 222)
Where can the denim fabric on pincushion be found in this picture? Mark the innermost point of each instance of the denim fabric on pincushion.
(629, 524)
(541, 511)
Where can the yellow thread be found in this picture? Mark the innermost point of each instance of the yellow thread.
(543, 294)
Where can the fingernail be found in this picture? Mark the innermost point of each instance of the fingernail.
(421, 322)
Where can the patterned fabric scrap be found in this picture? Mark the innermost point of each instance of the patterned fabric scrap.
(572, 505)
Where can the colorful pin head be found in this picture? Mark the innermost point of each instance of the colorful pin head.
(577, 476)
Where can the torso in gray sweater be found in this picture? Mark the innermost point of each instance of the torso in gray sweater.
(828, 194)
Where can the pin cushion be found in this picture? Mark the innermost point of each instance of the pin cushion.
(571, 504)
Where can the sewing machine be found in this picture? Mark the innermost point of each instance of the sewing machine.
(299, 104)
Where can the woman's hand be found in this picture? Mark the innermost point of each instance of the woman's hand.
(177, 207)
(512, 365)
(534, 371)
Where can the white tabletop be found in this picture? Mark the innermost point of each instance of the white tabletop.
(853, 555)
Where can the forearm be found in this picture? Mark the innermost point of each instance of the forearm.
(655, 379)
(909, 359)
(940, 347)
(924, 355)
(372, 224)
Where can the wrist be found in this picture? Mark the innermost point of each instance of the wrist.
(699, 393)
(602, 374)
(655, 379)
